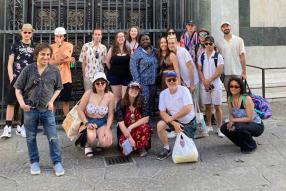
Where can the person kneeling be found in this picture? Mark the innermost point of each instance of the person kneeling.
(96, 110)
(244, 123)
(177, 112)
(132, 117)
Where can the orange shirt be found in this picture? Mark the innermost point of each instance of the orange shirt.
(62, 58)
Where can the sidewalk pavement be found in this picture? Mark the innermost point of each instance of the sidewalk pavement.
(221, 165)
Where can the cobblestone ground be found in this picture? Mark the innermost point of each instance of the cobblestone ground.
(221, 166)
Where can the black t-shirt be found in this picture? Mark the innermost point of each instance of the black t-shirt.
(23, 56)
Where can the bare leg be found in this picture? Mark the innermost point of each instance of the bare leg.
(162, 134)
(117, 92)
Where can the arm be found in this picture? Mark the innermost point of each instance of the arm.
(184, 111)
(10, 67)
(50, 104)
(20, 99)
(173, 59)
(108, 58)
(217, 73)
(191, 73)
(201, 75)
(138, 123)
(243, 65)
(82, 105)
(110, 111)
(133, 66)
(83, 60)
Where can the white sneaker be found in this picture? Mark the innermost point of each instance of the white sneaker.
(171, 134)
(220, 134)
(210, 129)
(21, 130)
(7, 132)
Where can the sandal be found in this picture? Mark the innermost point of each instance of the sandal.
(88, 152)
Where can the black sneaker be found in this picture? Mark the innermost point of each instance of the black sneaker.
(165, 153)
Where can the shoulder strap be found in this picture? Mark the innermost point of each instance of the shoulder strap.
(215, 58)
(202, 60)
(243, 100)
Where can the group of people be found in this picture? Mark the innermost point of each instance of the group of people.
(122, 83)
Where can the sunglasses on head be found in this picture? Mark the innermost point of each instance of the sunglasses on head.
(202, 34)
(209, 43)
(100, 83)
(25, 32)
(234, 86)
(171, 80)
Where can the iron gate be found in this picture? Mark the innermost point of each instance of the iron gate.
(79, 17)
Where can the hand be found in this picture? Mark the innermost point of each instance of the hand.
(126, 132)
(243, 75)
(108, 135)
(229, 125)
(192, 88)
(25, 107)
(50, 106)
(177, 126)
(207, 82)
(132, 142)
(169, 119)
(91, 126)
(11, 79)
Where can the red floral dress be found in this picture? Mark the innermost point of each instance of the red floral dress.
(141, 134)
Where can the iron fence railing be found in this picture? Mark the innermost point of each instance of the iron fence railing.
(80, 17)
(263, 75)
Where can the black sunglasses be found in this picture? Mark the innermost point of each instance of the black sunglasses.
(209, 43)
(170, 33)
(172, 80)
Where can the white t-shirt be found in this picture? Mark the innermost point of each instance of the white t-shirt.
(183, 57)
(174, 102)
(231, 50)
(209, 68)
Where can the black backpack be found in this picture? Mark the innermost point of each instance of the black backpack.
(215, 57)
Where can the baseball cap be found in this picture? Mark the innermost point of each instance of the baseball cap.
(99, 75)
(27, 26)
(170, 74)
(190, 21)
(225, 22)
(134, 84)
(60, 31)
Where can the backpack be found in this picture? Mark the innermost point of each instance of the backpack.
(261, 105)
(215, 57)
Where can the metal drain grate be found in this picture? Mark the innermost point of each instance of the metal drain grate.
(117, 160)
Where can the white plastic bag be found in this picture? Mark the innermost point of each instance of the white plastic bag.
(202, 130)
(184, 149)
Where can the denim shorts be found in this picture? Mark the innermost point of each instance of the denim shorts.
(189, 128)
(98, 121)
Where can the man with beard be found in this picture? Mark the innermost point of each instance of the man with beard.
(232, 49)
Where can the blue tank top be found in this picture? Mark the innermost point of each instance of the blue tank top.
(241, 112)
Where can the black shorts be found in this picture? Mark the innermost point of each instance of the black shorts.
(11, 96)
(65, 94)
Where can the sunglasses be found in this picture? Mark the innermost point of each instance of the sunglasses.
(170, 33)
(100, 83)
(235, 87)
(209, 43)
(203, 34)
(27, 32)
(171, 80)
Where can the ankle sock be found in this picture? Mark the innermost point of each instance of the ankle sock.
(167, 147)
(9, 123)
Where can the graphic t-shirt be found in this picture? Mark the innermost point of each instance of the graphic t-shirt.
(23, 56)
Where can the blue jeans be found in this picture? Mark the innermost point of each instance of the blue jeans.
(31, 120)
